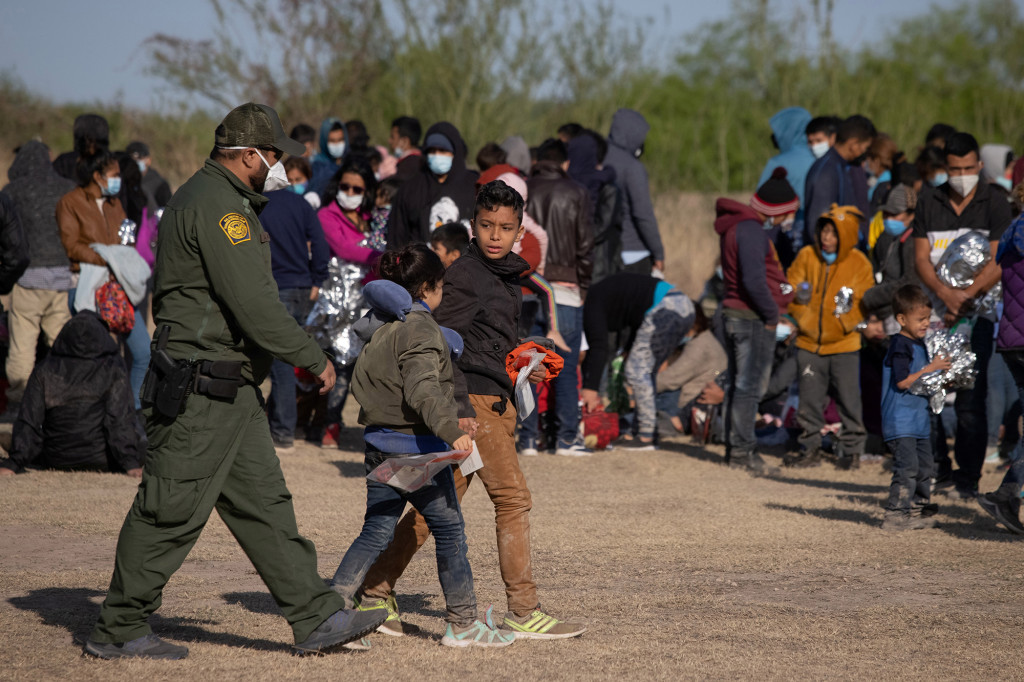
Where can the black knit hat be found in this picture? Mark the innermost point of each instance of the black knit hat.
(775, 196)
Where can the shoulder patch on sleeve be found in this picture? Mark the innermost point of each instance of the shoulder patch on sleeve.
(236, 228)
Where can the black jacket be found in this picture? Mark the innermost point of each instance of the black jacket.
(36, 188)
(481, 301)
(13, 249)
(78, 412)
(562, 207)
(409, 220)
(893, 259)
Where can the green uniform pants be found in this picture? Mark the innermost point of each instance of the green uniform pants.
(215, 455)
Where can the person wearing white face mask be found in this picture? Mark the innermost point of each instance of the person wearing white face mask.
(951, 210)
(154, 186)
(334, 148)
(345, 219)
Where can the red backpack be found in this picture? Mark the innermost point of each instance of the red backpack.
(113, 306)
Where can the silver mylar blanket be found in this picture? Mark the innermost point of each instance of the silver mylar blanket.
(960, 263)
(955, 345)
(337, 308)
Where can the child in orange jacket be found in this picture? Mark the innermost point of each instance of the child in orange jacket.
(831, 277)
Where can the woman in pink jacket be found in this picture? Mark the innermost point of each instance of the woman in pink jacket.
(345, 217)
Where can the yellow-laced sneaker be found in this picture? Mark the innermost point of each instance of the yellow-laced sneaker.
(393, 625)
(539, 625)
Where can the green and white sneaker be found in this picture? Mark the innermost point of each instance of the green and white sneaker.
(478, 634)
(539, 625)
(393, 625)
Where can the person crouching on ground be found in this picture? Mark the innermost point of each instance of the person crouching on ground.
(831, 277)
(78, 412)
(906, 423)
(404, 382)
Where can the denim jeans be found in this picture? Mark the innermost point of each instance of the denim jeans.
(282, 413)
(564, 388)
(1015, 474)
(751, 348)
(912, 467)
(439, 505)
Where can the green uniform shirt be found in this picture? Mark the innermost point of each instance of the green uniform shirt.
(214, 286)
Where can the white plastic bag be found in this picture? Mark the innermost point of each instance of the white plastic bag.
(525, 402)
(412, 472)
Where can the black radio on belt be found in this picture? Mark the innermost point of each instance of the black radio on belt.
(169, 382)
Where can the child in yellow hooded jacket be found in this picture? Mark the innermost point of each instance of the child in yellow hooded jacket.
(831, 277)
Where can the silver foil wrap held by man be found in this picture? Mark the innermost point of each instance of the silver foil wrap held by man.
(963, 259)
(337, 308)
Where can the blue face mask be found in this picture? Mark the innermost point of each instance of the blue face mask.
(830, 258)
(939, 179)
(142, 166)
(768, 224)
(895, 227)
(113, 187)
(299, 188)
(782, 332)
(440, 164)
(1005, 183)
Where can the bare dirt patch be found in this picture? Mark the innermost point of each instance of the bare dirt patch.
(680, 567)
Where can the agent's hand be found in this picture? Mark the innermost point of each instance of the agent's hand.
(940, 362)
(4, 471)
(327, 378)
(469, 425)
(135, 473)
(537, 375)
(463, 443)
(591, 400)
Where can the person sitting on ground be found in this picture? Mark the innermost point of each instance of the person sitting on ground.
(77, 412)
(682, 378)
(906, 422)
(831, 276)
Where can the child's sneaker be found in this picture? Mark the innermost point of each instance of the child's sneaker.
(331, 435)
(574, 450)
(393, 625)
(528, 448)
(478, 634)
(539, 625)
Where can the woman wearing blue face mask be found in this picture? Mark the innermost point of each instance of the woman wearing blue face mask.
(893, 254)
(92, 214)
(931, 166)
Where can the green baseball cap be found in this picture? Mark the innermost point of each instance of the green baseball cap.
(255, 125)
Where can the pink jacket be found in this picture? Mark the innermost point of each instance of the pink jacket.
(517, 183)
(343, 237)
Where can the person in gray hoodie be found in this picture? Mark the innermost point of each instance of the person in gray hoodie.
(642, 251)
(39, 299)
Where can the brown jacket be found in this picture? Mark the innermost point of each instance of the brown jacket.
(81, 224)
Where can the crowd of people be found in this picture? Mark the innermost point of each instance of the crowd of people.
(416, 276)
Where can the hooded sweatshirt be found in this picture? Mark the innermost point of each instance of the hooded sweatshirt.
(993, 156)
(789, 128)
(625, 141)
(583, 168)
(78, 410)
(324, 165)
(754, 281)
(424, 195)
(819, 329)
(517, 153)
(35, 189)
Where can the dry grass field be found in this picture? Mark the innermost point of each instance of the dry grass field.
(682, 569)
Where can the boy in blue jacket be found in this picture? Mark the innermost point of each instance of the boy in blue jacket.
(906, 425)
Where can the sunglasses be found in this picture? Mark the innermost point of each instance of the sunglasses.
(347, 188)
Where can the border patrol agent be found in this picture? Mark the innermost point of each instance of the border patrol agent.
(219, 324)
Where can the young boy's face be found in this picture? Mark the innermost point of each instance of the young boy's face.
(497, 231)
(820, 136)
(829, 238)
(295, 177)
(447, 257)
(915, 322)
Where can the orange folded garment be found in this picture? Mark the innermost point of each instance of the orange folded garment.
(517, 359)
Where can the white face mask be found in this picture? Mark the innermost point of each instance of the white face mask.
(277, 178)
(349, 202)
(336, 149)
(963, 184)
(819, 149)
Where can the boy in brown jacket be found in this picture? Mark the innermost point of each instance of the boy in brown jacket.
(831, 277)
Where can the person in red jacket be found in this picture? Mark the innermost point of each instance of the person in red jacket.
(755, 291)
